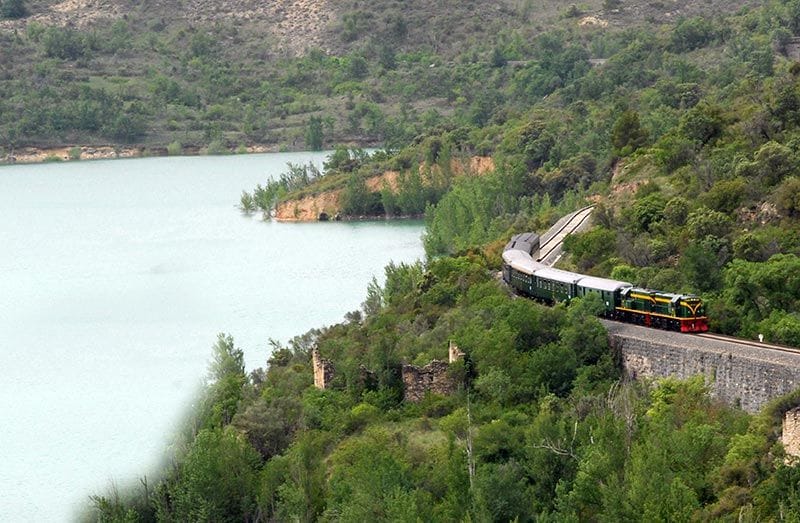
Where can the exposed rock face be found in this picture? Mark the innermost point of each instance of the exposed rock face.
(37, 155)
(433, 377)
(793, 48)
(330, 202)
(309, 208)
(791, 434)
(323, 370)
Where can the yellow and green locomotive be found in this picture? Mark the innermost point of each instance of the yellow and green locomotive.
(677, 312)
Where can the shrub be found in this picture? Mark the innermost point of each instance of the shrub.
(175, 148)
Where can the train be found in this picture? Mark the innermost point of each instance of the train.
(622, 300)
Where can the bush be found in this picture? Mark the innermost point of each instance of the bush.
(690, 34)
(726, 196)
(175, 148)
(67, 44)
(787, 196)
(592, 247)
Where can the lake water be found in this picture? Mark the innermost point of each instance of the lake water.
(115, 278)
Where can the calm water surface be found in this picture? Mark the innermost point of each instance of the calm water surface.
(115, 278)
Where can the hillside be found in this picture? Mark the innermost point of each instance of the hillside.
(684, 130)
(233, 75)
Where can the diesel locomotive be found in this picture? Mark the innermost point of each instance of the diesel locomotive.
(622, 301)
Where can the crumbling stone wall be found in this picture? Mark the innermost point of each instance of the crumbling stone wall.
(433, 377)
(323, 370)
(791, 434)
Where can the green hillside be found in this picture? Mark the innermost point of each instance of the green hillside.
(220, 76)
(684, 129)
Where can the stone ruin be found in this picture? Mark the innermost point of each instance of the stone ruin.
(323, 370)
(417, 381)
(433, 377)
(454, 352)
(791, 434)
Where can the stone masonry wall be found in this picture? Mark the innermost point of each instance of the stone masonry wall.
(433, 377)
(744, 376)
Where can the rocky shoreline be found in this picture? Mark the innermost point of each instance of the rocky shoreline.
(67, 153)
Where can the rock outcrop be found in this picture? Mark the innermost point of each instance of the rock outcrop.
(791, 434)
(329, 203)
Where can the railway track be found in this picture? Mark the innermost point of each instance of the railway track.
(569, 227)
(748, 343)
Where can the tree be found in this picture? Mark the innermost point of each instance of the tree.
(358, 200)
(64, 43)
(217, 480)
(726, 196)
(226, 379)
(702, 260)
(691, 34)
(787, 196)
(269, 425)
(592, 247)
(314, 133)
(302, 493)
(702, 123)
(13, 9)
(502, 492)
(246, 203)
(627, 135)
(369, 475)
(761, 287)
(775, 162)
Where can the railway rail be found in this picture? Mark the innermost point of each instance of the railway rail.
(572, 224)
(748, 343)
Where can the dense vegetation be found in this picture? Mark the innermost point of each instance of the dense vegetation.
(222, 77)
(540, 427)
(687, 137)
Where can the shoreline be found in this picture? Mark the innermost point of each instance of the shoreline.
(72, 153)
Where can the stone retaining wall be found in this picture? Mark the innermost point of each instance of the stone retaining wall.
(744, 376)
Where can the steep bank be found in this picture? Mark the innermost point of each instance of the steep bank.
(309, 208)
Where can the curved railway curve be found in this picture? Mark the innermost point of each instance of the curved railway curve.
(556, 235)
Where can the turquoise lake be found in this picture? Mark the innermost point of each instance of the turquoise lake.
(115, 279)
